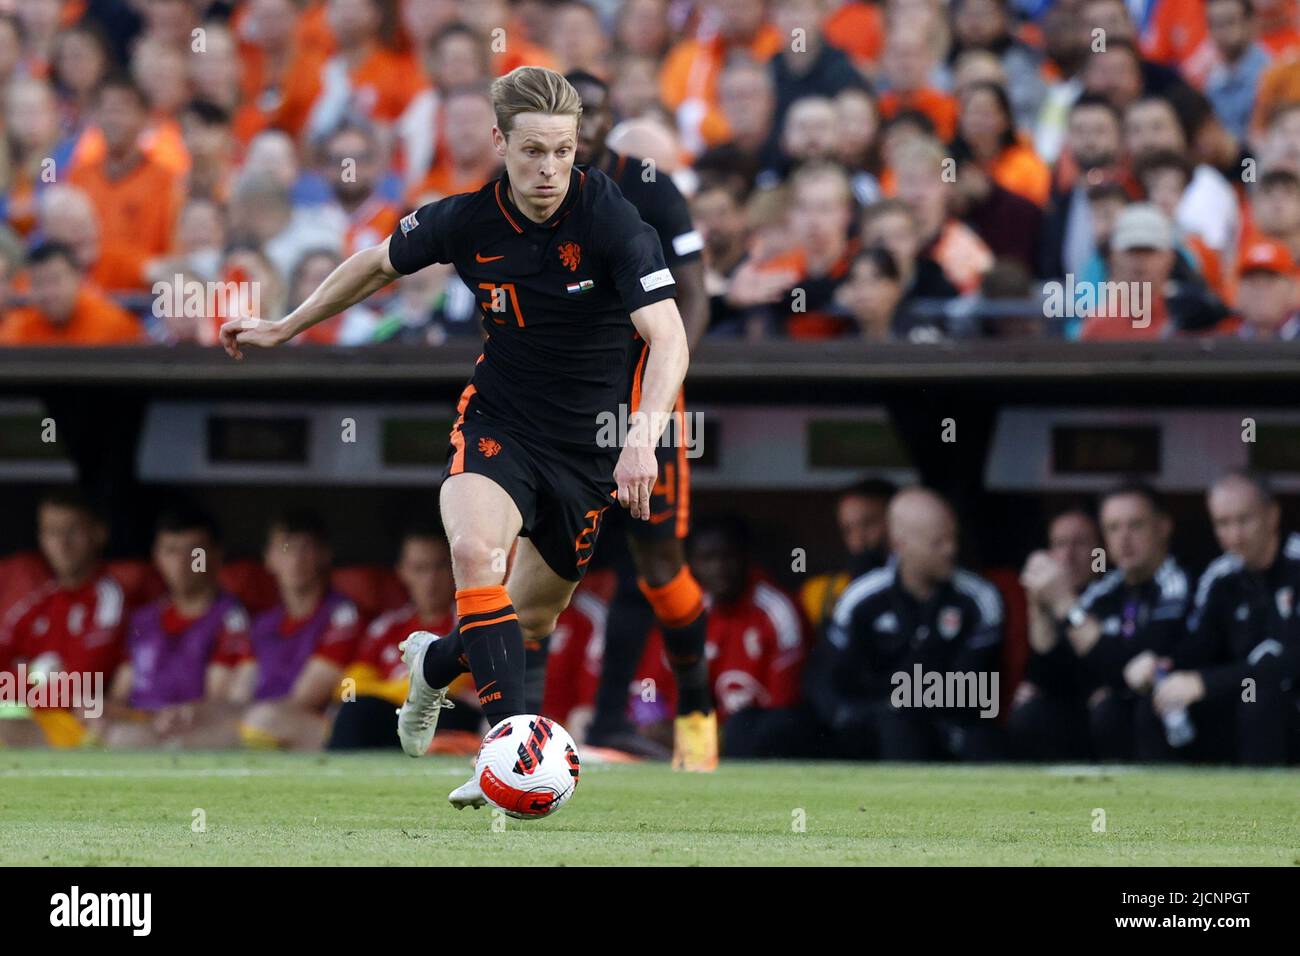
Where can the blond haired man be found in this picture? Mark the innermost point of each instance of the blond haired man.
(582, 332)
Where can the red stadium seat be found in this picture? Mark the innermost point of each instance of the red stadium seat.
(140, 580)
(251, 583)
(20, 574)
(1015, 646)
(374, 588)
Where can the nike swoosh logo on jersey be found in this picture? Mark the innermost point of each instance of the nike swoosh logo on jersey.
(479, 257)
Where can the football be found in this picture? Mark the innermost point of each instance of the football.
(528, 766)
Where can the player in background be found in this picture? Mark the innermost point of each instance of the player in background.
(581, 325)
(71, 626)
(377, 680)
(657, 586)
(922, 610)
(183, 648)
(301, 645)
(757, 643)
(1238, 673)
(1047, 713)
(860, 516)
(1139, 605)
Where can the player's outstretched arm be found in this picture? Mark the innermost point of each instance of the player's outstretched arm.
(660, 324)
(360, 275)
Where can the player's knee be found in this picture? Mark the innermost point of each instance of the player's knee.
(537, 622)
(477, 561)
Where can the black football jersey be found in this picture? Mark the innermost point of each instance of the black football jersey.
(556, 299)
(659, 202)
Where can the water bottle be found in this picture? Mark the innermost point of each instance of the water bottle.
(1179, 729)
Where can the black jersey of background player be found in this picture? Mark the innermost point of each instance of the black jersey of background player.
(556, 299)
(1148, 616)
(878, 629)
(1244, 623)
(660, 204)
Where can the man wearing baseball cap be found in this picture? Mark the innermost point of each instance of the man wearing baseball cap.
(1266, 292)
(1150, 293)
(1142, 260)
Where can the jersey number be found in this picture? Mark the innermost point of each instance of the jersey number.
(500, 294)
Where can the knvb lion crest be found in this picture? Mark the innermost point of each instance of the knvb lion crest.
(570, 255)
(488, 447)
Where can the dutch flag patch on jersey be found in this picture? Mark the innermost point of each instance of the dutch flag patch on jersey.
(586, 285)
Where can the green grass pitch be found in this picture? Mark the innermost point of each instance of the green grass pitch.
(96, 808)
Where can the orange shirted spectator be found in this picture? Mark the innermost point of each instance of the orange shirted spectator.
(65, 215)
(688, 79)
(1176, 35)
(363, 77)
(919, 169)
(506, 36)
(1276, 29)
(1279, 88)
(909, 59)
(468, 159)
(64, 309)
(137, 199)
(821, 212)
(988, 127)
(280, 65)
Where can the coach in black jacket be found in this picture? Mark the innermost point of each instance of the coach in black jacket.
(910, 661)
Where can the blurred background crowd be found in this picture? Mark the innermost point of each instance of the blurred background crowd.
(910, 169)
(1100, 646)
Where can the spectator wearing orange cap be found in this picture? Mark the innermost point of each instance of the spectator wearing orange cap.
(1266, 292)
(64, 309)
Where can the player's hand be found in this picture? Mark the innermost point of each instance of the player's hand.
(1140, 672)
(1177, 691)
(1044, 579)
(635, 474)
(1038, 570)
(752, 285)
(261, 332)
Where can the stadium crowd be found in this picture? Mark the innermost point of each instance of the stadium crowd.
(1102, 647)
(911, 169)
